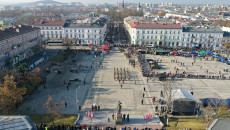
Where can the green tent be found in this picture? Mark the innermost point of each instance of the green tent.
(203, 52)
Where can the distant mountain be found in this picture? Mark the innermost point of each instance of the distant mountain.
(47, 2)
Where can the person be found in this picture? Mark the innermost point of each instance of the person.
(84, 81)
(44, 86)
(135, 82)
(128, 117)
(142, 101)
(121, 86)
(192, 63)
(124, 116)
(147, 80)
(144, 89)
(65, 104)
(67, 87)
(113, 116)
(143, 95)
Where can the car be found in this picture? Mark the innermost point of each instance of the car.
(43, 53)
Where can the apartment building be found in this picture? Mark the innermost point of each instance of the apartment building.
(87, 32)
(18, 43)
(50, 29)
(157, 34)
(205, 37)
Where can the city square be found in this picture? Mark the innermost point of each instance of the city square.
(119, 64)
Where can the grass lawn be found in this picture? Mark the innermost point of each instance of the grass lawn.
(180, 123)
(43, 118)
(61, 57)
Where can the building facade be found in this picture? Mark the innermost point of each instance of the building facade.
(50, 29)
(86, 33)
(204, 37)
(18, 43)
(157, 34)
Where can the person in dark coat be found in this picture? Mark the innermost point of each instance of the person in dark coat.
(142, 101)
(128, 117)
(124, 116)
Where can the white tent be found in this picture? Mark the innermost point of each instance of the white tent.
(183, 102)
(182, 94)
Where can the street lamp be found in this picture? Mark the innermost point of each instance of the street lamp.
(77, 100)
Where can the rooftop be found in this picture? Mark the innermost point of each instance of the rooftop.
(16, 123)
(99, 23)
(155, 25)
(220, 124)
(48, 23)
(203, 29)
(11, 31)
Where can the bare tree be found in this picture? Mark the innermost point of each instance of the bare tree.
(53, 109)
(69, 43)
(168, 93)
(215, 109)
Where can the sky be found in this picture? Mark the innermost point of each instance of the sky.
(142, 1)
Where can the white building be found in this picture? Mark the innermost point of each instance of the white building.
(50, 29)
(205, 37)
(86, 33)
(157, 34)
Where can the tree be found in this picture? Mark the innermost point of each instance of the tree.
(162, 13)
(22, 68)
(10, 95)
(53, 109)
(168, 93)
(68, 43)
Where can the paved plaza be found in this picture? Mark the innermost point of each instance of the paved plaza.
(202, 88)
(101, 88)
(56, 88)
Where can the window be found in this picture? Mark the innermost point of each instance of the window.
(137, 31)
(143, 31)
(148, 32)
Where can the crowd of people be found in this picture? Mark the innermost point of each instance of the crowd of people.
(90, 127)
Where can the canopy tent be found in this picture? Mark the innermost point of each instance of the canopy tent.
(193, 52)
(91, 44)
(180, 51)
(174, 52)
(183, 102)
(208, 52)
(227, 102)
(161, 52)
(105, 48)
(203, 52)
(211, 101)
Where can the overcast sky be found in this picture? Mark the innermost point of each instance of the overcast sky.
(142, 1)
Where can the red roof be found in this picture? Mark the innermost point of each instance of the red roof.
(155, 25)
(48, 23)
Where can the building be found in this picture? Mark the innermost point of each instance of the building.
(157, 34)
(204, 37)
(18, 43)
(220, 124)
(16, 123)
(226, 41)
(87, 31)
(50, 29)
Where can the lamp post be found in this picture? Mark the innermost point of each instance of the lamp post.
(77, 100)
